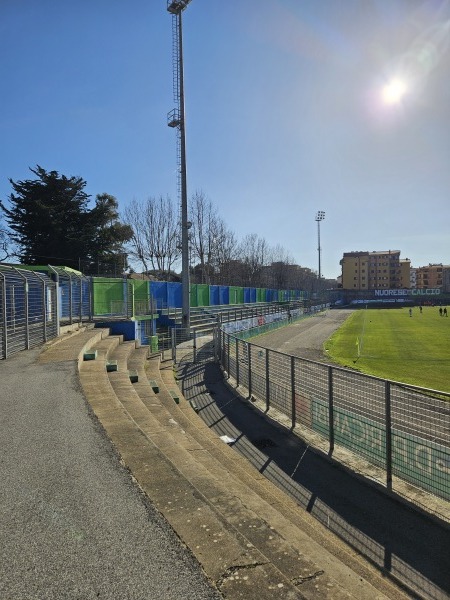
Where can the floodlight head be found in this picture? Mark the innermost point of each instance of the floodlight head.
(177, 6)
(320, 215)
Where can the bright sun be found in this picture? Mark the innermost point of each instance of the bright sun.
(394, 91)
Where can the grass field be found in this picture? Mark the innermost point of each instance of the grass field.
(393, 345)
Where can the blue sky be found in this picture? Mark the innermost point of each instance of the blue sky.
(284, 113)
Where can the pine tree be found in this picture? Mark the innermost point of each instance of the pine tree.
(51, 223)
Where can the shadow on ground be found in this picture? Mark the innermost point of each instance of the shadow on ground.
(400, 540)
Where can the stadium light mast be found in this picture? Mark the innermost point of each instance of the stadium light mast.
(320, 216)
(176, 119)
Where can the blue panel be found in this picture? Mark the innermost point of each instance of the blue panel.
(158, 289)
(129, 329)
(174, 295)
(224, 294)
(249, 295)
(214, 295)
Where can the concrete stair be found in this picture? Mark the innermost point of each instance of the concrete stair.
(249, 537)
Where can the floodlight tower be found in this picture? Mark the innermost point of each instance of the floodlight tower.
(175, 119)
(320, 216)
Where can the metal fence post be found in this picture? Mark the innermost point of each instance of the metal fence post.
(58, 308)
(228, 355)
(174, 353)
(5, 321)
(237, 361)
(388, 426)
(70, 299)
(294, 415)
(195, 346)
(330, 410)
(81, 298)
(26, 308)
(249, 360)
(267, 381)
(44, 306)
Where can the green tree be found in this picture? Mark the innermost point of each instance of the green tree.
(108, 236)
(51, 223)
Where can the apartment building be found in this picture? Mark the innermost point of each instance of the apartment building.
(432, 276)
(363, 270)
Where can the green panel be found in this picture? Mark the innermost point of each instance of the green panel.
(193, 294)
(108, 295)
(202, 294)
(414, 459)
(141, 289)
(260, 295)
(236, 294)
(233, 295)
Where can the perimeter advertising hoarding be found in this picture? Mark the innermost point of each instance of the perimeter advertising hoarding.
(408, 292)
(421, 462)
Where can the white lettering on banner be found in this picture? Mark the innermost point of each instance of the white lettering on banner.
(424, 464)
(408, 292)
(399, 448)
(322, 414)
(363, 437)
(376, 439)
(443, 465)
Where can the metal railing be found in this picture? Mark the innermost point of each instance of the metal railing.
(391, 432)
(28, 310)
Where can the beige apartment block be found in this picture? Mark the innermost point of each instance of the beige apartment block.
(432, 276)
(363, 270)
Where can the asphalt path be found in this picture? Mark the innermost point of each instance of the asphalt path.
(400, 540)
(73, 523)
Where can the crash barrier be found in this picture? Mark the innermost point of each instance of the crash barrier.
(402, 430)
(28, 310)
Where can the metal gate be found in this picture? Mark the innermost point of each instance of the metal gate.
(193, 347)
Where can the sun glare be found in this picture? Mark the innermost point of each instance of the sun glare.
(394, 91)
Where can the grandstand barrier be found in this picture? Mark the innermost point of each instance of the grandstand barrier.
(402, 430)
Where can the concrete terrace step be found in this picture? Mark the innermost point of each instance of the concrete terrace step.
(209, 479)
(105, 349)
(196, 521)
(72, 347)
(121, 354)
(199, 455)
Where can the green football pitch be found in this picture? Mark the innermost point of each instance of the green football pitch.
(391, 344)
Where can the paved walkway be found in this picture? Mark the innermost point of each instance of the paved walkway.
(73, 523)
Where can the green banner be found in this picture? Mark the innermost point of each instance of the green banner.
(414, 459)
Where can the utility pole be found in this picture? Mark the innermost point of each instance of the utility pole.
(176, 119)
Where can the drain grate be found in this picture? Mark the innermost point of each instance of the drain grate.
(262, 443)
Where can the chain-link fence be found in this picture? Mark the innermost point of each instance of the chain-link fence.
(391, 432)
(28, 313)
